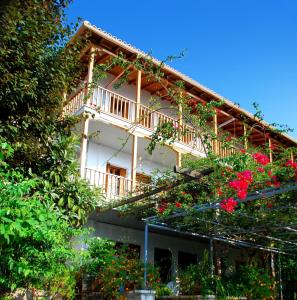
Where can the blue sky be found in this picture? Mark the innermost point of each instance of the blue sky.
(245, 50)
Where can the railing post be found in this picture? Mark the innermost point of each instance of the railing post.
(215, 129)
(270, 149)
(138, 96)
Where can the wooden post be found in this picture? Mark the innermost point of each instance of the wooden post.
(215, 128)
(245, 136)
(138, 95)
(270, 149)
(134, 137)
(84, 144)
(292, 156)
(90, 72)
(134, 160)
(180, 120)
(86, 120)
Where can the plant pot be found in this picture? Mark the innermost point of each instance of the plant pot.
(141, 295)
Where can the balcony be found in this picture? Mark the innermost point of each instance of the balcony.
(114, 186)
(122, 108)
(115, 105)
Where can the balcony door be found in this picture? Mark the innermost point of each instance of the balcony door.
(115, 180)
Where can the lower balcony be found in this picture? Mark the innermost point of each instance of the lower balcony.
(114, 186)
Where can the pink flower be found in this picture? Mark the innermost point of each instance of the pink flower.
(246, 175)
(261, 159)
(239, 185)
(228, 205)
(242, 194)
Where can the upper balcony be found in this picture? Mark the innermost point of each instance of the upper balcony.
(111, 107)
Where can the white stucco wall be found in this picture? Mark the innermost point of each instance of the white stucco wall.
(99, 155)
(155, 240)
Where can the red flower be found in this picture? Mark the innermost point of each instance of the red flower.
(228, 205)
(246, 175)
(269, 205)
(228, 138)
(276, 183)
(260, 169)
(242, 194)
(219, 192)
(242, 151)
(184, 193)
(271, 147)
(261, 159)
(291, 163)
(178, 204)
(239, 185)
(161, 209)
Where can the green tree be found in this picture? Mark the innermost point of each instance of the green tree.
(43, 199)
(37, 65)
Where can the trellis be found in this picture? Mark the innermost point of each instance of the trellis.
(225, 232)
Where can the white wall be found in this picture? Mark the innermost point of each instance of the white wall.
(155, 240)
(99, 155)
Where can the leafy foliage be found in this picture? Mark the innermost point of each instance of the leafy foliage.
(113, 270)
(36, 68)
(42, 195)
(34, 237)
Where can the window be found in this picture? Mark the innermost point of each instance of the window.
(185, 259)
(163, 260)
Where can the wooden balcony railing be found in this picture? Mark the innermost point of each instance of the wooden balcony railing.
(124, 108)
(76, 101)
(114, 186)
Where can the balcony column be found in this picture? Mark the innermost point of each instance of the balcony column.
(245, 136)
(86, 119)
(180, 127)
(138, 96)
(134, 136)
(215, 129)
(90, 74)
(84, 145)
(270, 149)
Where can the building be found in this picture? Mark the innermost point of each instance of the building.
(113, 151)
